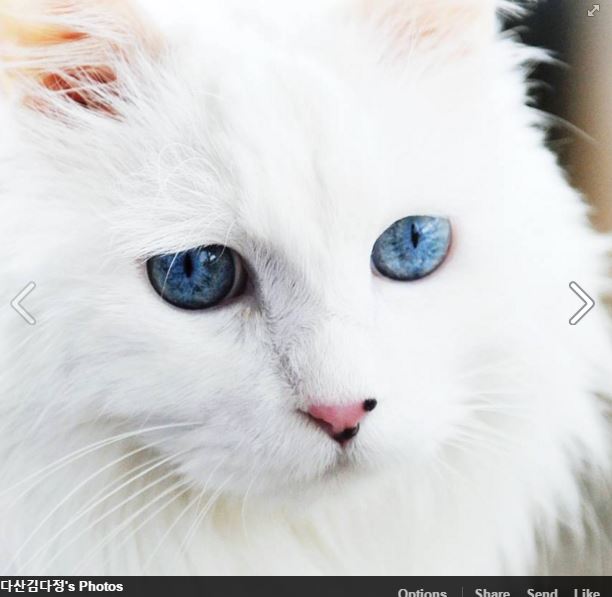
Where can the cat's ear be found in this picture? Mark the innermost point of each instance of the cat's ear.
(59, 54)
(457, 26)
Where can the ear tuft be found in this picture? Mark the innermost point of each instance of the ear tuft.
(454, 25)
(68, 50)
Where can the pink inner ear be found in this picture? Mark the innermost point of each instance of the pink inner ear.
(86, 84)
(61, 56)
(79, 84)
(458, 25)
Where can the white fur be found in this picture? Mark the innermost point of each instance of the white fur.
(294, 132)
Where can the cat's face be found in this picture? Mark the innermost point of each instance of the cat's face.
(298, 153)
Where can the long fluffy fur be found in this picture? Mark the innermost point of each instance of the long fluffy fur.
(137, 438)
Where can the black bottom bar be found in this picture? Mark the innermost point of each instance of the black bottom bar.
(468, 586)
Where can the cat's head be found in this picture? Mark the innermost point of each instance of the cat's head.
(256, 226)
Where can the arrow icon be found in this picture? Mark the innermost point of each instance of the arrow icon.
(22, 296)
(591, 13)
(589, 303)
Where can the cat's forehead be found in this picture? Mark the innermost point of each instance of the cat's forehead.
(281, 152)
(316, 159)
(303, 150)
(292, 150)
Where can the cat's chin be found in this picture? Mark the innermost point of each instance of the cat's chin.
(344, 477)
(342, 468)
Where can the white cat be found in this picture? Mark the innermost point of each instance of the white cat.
(244, 361)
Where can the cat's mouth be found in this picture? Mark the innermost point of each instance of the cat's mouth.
(342, 438)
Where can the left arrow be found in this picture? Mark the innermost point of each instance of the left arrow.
(19, 308)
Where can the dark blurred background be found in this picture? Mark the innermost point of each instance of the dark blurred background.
(577, 90)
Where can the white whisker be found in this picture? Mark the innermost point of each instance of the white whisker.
(49, 469)
(169, 530)
(96, 502)
(243, 508)
(183, 549)
(66, 498)
(106, 514)
(131, 518)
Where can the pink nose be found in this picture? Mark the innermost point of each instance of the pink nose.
(342, 421)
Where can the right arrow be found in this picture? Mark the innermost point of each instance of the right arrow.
(589, 303)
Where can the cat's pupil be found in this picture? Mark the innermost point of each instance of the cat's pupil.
(188, 265)
(415, 236)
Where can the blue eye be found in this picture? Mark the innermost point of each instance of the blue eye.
(412, 248)
(199, 278)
